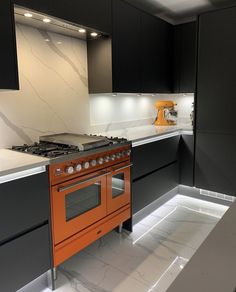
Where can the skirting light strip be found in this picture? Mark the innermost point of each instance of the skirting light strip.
(155, 225)
(200, 212)
(22, 174)
(166, 271)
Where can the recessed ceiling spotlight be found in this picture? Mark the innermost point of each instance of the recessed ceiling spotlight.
(94, 34)
(46, 20)
(82, 30)
(27, 14)
(47, 40)
(59, 43)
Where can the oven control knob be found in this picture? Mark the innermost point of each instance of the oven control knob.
(113, 157)
(78, 167)
(93, 162)
(100, 160)
(118, 155)
(86, 165)
(107, 158)
(69, 169)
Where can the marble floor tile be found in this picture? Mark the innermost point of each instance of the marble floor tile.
(150, 258)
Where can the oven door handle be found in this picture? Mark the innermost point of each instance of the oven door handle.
(66, 188)
(123, 167)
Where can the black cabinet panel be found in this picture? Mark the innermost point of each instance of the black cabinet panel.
(126, 51)
(157, 54)
(216, 87)
(151, 156)
(24, 204)
(148, 189)
(8, 59)
(185, 37)
(44, 6)
(216, 163)
(186, 160)
(90, 13)
(24, 259)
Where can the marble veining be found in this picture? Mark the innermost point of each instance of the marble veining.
(150, 258)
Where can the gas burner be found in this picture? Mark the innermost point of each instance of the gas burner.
(46, 149)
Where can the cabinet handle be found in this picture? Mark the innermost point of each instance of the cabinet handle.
(99, 232)
(81, 182)
(123, 167)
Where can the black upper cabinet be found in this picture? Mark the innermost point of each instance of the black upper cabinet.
(90, 13)
(126, 48)
(216, 88)
(8, 58)
(44, 6)
(156, 54)
(185, 50)
(141, 54)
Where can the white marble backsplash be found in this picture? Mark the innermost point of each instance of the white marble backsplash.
(53, 95)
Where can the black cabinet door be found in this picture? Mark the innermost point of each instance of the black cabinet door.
(24, 259)
(148, 189)
(24, 204)
(186, 160)
(185, 38)
(216, 163)
(44, 6)
(126, 51)
(8, 59)
(157, 54)
(152, 156)
(90, 13)
(216, 85)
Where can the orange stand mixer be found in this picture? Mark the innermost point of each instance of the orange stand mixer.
(166, 113)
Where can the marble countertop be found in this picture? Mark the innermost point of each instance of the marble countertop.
(212, 267)
(150, 133)
(12, 162)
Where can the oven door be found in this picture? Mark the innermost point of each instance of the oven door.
(78, 203)
(118, 187)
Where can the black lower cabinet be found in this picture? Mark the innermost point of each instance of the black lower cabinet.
(186, 160)
(24, 259)
(149, 188)
(215, 167)
(24, 205)
(152, 156)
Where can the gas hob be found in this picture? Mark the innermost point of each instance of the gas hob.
(53, 146)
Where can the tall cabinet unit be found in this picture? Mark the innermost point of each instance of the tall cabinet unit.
(216, 86)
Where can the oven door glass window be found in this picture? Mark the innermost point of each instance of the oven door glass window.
(82, 200)
(118, 185)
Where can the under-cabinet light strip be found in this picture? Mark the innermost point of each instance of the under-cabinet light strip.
(22, 174)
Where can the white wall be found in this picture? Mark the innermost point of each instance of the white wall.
(53, 95)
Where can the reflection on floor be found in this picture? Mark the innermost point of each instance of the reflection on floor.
(150, 258)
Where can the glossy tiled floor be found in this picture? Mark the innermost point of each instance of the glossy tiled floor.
(150, 258)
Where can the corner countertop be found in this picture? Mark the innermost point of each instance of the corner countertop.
(150, 133)
(213, 266)
(13, 161)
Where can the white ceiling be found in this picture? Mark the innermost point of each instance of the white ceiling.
(179, 11)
